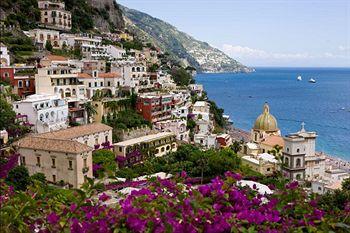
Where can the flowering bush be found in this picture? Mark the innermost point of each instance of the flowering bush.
(170, 206)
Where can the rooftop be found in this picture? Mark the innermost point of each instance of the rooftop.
(147, 138)
(273, 140)
(38, 97)
(53, 144)
(78, 131)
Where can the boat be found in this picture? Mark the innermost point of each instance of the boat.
(312, 80)
(299, 78)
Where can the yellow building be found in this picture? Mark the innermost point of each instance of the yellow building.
(265, 164)
(265, 126)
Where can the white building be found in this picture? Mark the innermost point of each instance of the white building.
(177, 126)
(207, 141)
(305, 143)
(46, 112)
(181, 112)
(41, 36)
(116, 52)
(4, 56)
(196, 88)
(201, 110)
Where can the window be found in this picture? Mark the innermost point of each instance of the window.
(89, 84)
(167, 147)
(53, 162)
(101, 84)
(287, 149)
(96, 141)
(38, 161)
(157, 151)
(85, 162)
(268, 169)
(95, 84)
(298, 176)
(109, 83)
(27, 83)
(20, 83)
(319, 189)
(286, 161)
(70, 165)
(23, 160)
(120, 149)
(163, 149)
(298, 150)
(298, 163)
(86, 142)
(106, 138)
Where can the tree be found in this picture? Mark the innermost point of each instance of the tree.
(48, 46)
(236, 146)
(19, 178)
(346, 184)
(7, 115)
(90, 110)
(181, 76)
(39, 177)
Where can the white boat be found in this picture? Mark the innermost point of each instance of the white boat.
(312, 80)
(299, 78)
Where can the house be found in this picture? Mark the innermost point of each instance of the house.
(265, 163)
(197, 89)
(48, 60)
(54, 15)
(46, 112)
(42, 36)
(177, 126)
(155, 107)
(207, 141)
(4, 56)
(60, 160)
(137, 149)
(224, 140)
(94, 135)
(269, 143)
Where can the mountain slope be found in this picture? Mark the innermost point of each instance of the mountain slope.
(180, 45)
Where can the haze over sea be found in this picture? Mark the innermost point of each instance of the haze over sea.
(323, 106)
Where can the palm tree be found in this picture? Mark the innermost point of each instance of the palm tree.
(112, 106)
(90, 110)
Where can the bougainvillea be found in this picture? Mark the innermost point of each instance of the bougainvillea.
(170, 206)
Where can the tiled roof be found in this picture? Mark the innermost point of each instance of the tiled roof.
(51, 144)
(84, 75)
(273, 140)
(78, 131)
(108, 75)
(55, 58)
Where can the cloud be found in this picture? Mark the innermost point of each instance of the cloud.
(246, 52)
(344, 48)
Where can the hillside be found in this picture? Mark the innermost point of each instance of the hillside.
(179, 44)
(87, 15)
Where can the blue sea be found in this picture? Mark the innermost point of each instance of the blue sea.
(324, 106)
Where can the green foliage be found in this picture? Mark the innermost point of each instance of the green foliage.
(39, 177)
(23, 12)
(106, 159)
(181, 76)
(19, 178)
(7, 115)
(82, 13)
(90, 109)
(236, 146)
(153, 68)
(48, 45)
(217, 112)
(135, 44)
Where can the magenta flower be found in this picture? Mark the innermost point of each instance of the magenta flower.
(53, 218)
(104, 197)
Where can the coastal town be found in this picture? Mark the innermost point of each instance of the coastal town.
(89, 97)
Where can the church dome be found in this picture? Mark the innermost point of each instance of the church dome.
(266, 121)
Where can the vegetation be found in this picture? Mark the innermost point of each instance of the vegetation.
(217, 112)
(90, 110)
(104, 163)
(181, 76)
(19, 178)
(7, 115)
(23, 12)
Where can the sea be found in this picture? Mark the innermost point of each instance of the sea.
(323, 106)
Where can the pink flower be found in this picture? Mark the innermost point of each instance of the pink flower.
(104, 197)
(53, 218)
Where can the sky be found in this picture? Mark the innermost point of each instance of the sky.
(289, 33)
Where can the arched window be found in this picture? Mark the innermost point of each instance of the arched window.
(298, 150)
(298, 177)
(298, 163)
(286, 161)
(41, 117)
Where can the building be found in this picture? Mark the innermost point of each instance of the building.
(49, 60)
(293, 157)
(177, 126)
(265, 163)
(207, 141)
(4, 137)
(94, 135)
(60, 160)
(270, 142)
(224, 140)
(196, 89)
(42, 36)
(332, 180)
(46, 112)
(54, 15)
(155, 107)
(4, 56)
(265, 125)
(137, 149)
(7, 74)
(314, 162)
